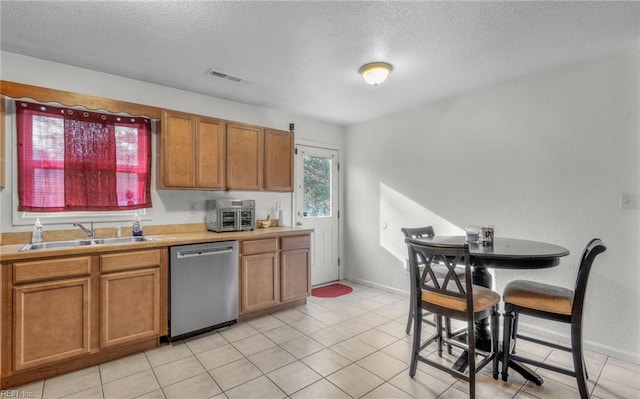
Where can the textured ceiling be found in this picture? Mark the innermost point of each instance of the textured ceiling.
(303, 57)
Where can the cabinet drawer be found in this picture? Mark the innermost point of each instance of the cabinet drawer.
(259, 246)
(295, 242)
(129, 260)
(51, 269)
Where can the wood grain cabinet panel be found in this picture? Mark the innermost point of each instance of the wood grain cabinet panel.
(252, 247)
(30, 271)
(244, 156)
(130, 260)
(295, 274)
(3, 148)
(178, 150)
(278, 160)
(51, 322)
(295, 242)
(260, 285)
(129, 306)
(210, 153)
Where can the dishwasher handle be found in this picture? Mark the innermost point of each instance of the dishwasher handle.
(204, 252)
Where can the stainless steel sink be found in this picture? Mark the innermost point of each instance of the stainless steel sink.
(84, 242)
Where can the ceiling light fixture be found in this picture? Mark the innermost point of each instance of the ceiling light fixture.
(375, 73)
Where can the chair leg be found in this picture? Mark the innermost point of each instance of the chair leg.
(471, 343)
(417, 332)
(411, 306)
(447, 326)
(495, 331)
(578, 361)
(514, 332)
(506, 339)
(439, 332)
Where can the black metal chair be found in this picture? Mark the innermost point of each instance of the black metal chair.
(417, 232)
(552, 303)
(451, 297)
(420, 232)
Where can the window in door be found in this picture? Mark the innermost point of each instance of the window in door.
(317, 186)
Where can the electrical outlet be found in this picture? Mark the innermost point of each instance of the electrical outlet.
(192, 207)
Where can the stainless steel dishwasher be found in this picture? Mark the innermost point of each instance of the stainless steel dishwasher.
(203, 288)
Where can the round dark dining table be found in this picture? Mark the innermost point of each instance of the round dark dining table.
(503, 253)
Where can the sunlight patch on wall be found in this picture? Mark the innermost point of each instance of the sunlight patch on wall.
(398, 211)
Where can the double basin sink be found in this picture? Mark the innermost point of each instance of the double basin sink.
(84, 242)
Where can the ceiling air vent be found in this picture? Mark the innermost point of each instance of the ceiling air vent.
(222, 75)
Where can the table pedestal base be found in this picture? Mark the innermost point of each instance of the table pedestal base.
(524, 371)
(463, 361)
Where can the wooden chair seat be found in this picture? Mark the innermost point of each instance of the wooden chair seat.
(539, 296)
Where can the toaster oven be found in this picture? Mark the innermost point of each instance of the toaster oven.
(230, 215)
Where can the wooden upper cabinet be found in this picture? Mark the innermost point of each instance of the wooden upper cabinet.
(278, 160)
(191, 151)
(244, 156)
(210, 153)
(178, 150)
(197, 152)
(3, 154)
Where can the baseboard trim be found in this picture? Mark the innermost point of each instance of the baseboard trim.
(588, 345)
(551, 335)
(382, 287)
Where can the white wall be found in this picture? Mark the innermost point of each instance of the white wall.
(544, 157)
(169, 206)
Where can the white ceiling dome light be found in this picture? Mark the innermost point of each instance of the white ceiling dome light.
(375, 73)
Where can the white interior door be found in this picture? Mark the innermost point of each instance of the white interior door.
(317, 208)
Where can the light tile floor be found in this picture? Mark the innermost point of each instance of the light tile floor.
(353, 346)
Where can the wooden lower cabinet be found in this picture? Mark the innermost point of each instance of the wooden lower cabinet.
(51, 314)
(259, 279)
(274, 272)
(129, 306)
(295, 274)
(51, 322)
(66, 313)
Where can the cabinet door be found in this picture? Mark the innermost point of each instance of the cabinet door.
(3, 159)
(295, 274)
(177, 150)
(210, 154)
(244, 157)
(278, 161)
(51, 322)
(260, 286)
(129, 306)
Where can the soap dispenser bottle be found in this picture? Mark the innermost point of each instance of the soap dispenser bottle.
(137, 226)
(36, 235)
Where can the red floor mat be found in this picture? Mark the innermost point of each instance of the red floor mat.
(331, 290)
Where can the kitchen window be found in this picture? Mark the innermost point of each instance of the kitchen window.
(75, 160)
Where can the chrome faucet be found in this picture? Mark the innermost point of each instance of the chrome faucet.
(90, 232)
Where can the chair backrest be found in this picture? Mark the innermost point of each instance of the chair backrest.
(591, 250)
(417, 232)
(432, 256)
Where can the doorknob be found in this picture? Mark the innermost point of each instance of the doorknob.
(299, 223)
